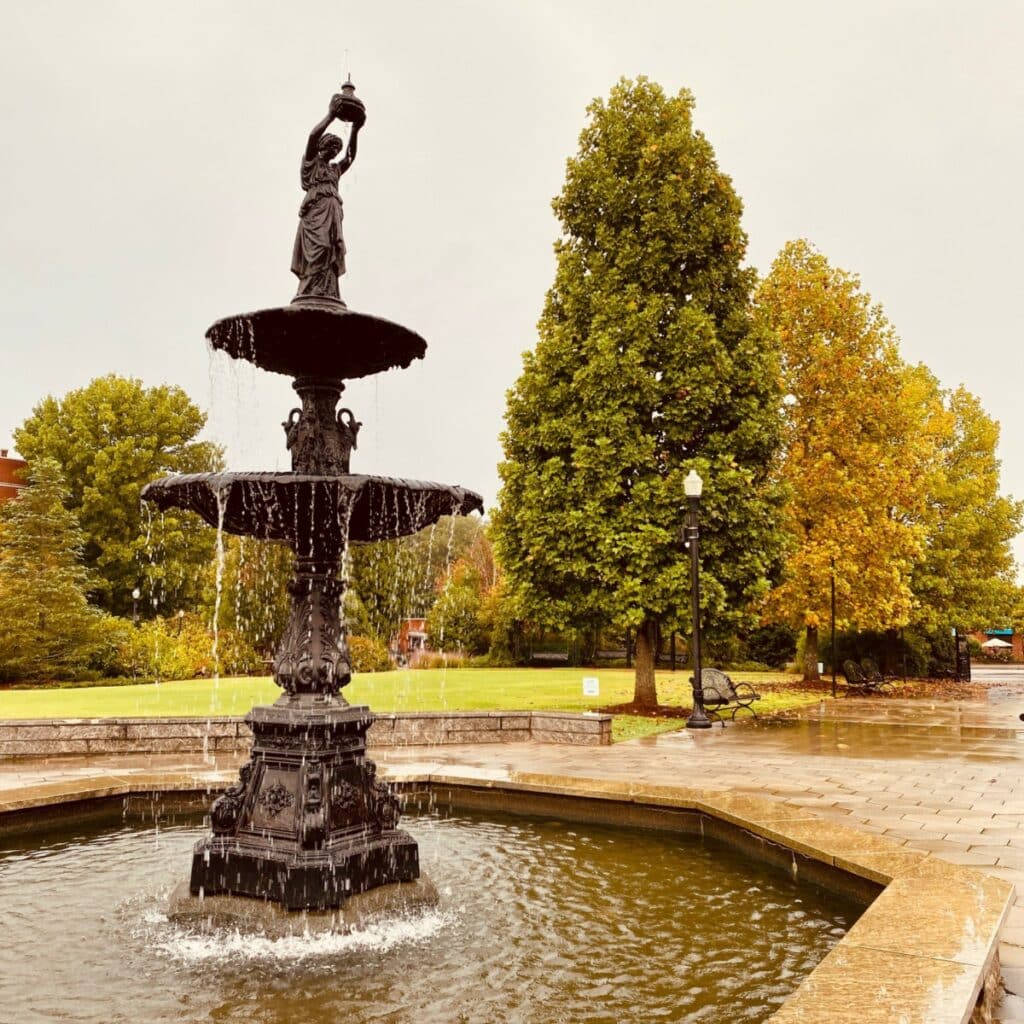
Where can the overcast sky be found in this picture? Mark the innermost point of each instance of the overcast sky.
(150, 171)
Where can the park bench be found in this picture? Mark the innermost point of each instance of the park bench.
(873, 673)
(858, 679)
(721, 694)
(549, 658)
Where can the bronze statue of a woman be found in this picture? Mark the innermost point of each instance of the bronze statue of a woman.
(318, 258)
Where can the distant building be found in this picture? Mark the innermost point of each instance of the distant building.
(10, 480)
(1015, 641)
(410, 638)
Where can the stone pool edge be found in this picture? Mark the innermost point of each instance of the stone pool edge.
(923, 952)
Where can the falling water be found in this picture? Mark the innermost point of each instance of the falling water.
(219, 583)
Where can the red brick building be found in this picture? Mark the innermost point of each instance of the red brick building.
(410, 638)
(10, 480)
(1016, 641)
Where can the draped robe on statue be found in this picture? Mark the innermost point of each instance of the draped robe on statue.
(318, 258)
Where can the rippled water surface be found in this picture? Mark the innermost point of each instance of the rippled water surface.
(539, 921)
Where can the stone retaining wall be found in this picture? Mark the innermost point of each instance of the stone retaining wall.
(55, 737)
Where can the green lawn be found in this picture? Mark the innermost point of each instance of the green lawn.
(464, 689)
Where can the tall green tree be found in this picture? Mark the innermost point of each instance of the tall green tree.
(47, 627)
(966, 576)
(858, 447)
(110, 438)
(648, 365)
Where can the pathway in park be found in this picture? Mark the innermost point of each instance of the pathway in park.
(945, 777)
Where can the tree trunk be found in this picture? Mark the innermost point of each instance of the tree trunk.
(811, 656)
(892, 645)
(645, 693)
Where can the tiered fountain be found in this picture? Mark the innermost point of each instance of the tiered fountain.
(308, 825)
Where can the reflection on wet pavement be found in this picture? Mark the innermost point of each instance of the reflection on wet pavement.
(880, 728)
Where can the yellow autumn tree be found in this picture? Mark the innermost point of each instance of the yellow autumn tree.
(967, 576)
(859, 440)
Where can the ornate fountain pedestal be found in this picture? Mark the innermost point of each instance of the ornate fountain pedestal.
(308, 824)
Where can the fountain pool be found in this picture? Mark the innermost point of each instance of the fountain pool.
(540, 919)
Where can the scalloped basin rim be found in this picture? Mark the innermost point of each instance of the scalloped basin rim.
(317, 340)
(293, 507)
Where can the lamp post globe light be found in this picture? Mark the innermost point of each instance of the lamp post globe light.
(136, 594)
(693, 485)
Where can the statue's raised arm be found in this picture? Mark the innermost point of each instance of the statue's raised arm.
(318, 257)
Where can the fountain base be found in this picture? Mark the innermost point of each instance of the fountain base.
(259, 917)
(306, 879)
(307, 825)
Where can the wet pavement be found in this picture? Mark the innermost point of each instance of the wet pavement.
(945, 778)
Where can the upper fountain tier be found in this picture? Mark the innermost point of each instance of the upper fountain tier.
(317, 337)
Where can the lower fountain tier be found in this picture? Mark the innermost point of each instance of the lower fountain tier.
(305, 879)
(317, 337)
(295, 507)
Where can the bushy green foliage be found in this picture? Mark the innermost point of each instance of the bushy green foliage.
(468, 613)
(111, 438)
(395, 580)
(923, 654)
(454, 623)
(111, 635)
(773, 645)
(47, 628)
(368, 654)
(184, 646)
(648, 365)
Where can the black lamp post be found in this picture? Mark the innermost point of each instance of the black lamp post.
(693, 485)
(833, 565)
(136, 594)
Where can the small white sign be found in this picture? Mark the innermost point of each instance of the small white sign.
(591, 687)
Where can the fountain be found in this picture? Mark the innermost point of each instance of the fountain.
(308, 825)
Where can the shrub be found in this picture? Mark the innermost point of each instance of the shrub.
(494, 658)
(87, 679)
(1001, 655)
(439, 659)
(182, 647)
(368, 654)
(111, 635)
(774, 644)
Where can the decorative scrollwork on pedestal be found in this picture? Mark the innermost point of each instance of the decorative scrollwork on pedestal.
(320, 441)
(348, 805)
(313, 655)
(313, 828)
(227, 808)
(274, 799)
(382, 803)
